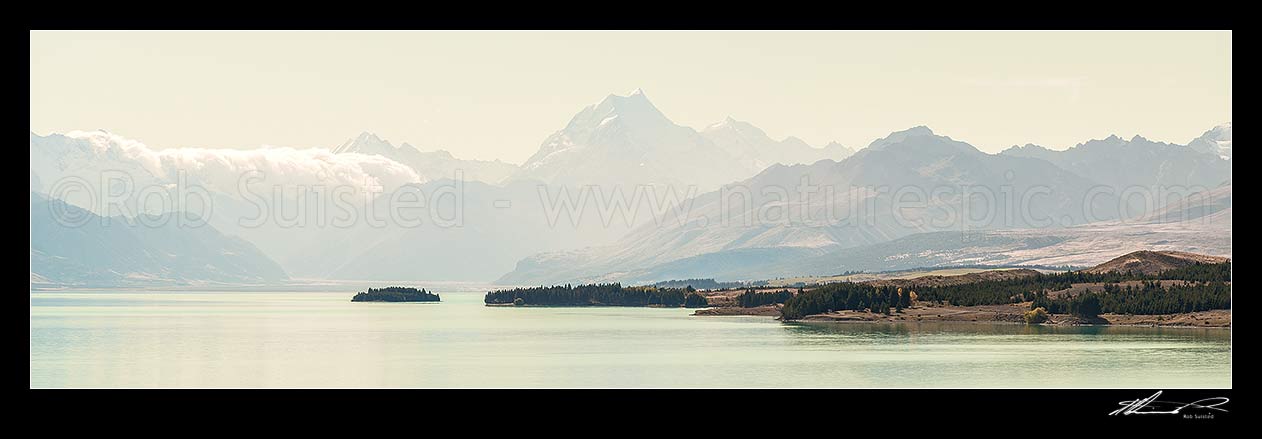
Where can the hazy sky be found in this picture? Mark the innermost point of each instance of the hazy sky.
(499, 94)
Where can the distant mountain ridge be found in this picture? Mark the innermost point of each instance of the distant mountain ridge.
(432, 165)
(89, 250)
(750, 143)
(90, 163)
(916, 160)
(1136, 163)
(919, 159)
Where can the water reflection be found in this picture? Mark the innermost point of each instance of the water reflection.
(310, 339)
(902, 329)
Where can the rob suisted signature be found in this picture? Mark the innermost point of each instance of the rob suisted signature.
(1152, 406)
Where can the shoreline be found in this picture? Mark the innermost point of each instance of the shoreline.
(1010, 313)
(1002, 322)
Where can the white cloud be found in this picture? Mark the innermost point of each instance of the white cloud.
(88, 154)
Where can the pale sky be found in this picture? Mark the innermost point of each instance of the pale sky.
(490, 95)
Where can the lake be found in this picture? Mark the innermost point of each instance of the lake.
(310, 339)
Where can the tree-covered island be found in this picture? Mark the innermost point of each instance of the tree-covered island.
(396, 294)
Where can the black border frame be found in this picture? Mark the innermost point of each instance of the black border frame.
(700, 411)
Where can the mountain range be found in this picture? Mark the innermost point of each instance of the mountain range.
(738, 204)
(1140, 167)
(1083, 219)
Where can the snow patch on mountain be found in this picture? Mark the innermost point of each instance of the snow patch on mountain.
(1216, 141)
(430, 165)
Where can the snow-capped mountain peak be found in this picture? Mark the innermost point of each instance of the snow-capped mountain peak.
(367, 143)
(634, 108)
(614, 141)
(1216, 141)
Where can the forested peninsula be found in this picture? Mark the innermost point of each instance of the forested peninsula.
(1141, 288)
(613, 294)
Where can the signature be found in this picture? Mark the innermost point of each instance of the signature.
(1152, 406)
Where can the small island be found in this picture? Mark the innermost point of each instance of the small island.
(597, 295)
(395, 294)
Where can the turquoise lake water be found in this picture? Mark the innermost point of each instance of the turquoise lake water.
(322, 340)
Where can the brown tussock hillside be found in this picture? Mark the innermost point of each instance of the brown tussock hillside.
(1154, 262)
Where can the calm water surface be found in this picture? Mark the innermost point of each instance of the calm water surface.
(320, 339)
